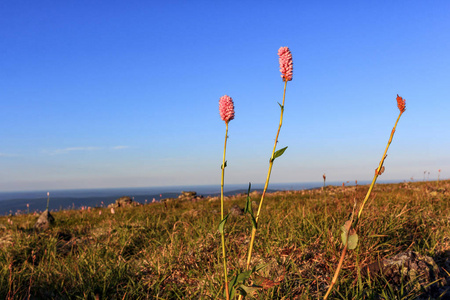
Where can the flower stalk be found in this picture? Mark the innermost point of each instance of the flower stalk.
(226, 110)
(286, 69)
(349, 228)
(48, 199)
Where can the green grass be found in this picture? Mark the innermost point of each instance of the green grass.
(168, 251)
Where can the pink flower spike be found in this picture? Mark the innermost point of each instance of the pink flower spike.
(286, 64)
(226, 108)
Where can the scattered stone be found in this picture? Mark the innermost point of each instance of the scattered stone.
(235, 211)
(189, 196)
(44, 221)
(124, 202)
(420, 270)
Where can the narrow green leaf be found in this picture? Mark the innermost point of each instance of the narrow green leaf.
(248, 204)
(222, 223)
(249, 209)
(278, 153)
(254, 224)
(281, 106)
(237, 280)
(221, 166)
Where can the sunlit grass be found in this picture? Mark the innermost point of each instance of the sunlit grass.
(159, 251)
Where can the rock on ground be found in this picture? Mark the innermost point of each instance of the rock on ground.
(44, 221)
(408, 267)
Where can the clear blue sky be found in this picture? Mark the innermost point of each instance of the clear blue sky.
(125, 93)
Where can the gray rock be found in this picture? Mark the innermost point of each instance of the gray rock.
(235, 211)
(410, 266)
(124, 202)
(188, 194)
(44, 221)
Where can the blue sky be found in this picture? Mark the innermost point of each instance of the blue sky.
(124, 94)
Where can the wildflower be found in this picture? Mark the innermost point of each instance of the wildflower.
(99, 212)
(286, 64)
(226, 108)
(112, 210)
(401, 104)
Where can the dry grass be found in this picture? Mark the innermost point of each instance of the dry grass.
(168, 251)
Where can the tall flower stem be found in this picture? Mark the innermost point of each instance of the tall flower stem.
(226, 110)
(378, 171)
(272, 158)
(48, 199)
(222, 213)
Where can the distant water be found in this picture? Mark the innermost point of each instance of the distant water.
(13, 202)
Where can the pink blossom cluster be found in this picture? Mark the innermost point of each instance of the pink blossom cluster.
(226, 108)
(286, 64)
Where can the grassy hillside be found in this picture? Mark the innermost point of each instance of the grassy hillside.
(172, 250)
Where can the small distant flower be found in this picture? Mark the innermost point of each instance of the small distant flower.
(401, 104)
(286, 64)
(226, 108)
(99, 212)
(112, 210)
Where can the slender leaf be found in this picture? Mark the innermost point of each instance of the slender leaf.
(248, 208)
(248, 205)
(278, 153)
(222, 223)
(222, 166)
(237, 280)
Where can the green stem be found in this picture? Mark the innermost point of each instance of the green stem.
(222, 213)
(250, 249)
